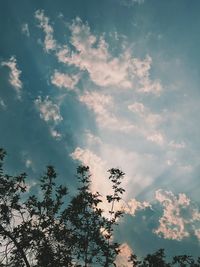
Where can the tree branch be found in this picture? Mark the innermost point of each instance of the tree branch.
(19, 248)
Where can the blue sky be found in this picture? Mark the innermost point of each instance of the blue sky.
(110, 83)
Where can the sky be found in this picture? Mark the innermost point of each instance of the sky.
(110, 83)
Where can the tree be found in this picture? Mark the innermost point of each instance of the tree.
(91, 229)
(154, 260)
(49, 229)
(185, 261)
(157, 259)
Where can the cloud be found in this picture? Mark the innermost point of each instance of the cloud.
(176, 145)
(157, 138)
(92, 55)
(48, 110)
(14, 75)
(2, 104)
(25, 29)
(122, 258)
(137, 108)
(149, 118)
(49, 42)
(141, 69)
(133, 205)
(148, 122)
(93, 139)
(102, 105)
(64, 80)
(101, 67)
(55, 134)
(28, 163)
(179, 216)
(130, 3)
(97, 166)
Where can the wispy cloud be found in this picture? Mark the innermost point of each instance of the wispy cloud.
(92, 55)
(102, 68)
(64, 80)
(49, 42)
(134, 205)
(98, 168)
(25, 29)
(122, 258)
(2, 104)
(102, 106)
(179, 216)
(131, 2)
(48, 110)
(14, 75)
(141, 69)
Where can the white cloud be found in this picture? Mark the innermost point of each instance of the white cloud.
(97, 166)
(137, 1)
(149, 118)
(25, 29)
(197, 233)
(28, 163)
(130, 3)
(176, 145)
(55, 134)
(141, 68)
(92, 54)
(148, 86)
(133, 205)
(64, 80)
(101, 105)
(102, 68)
(14, 75)
(148, 123)
(2, 104)
(123, 256)
(93, 139)
(48, 110)
(178, 215)
(137, 107)
(157, 138)
(49, 42)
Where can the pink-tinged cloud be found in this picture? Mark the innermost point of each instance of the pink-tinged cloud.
(49, 111)
(49, 41)
(178, 216)
(64, 80)
(14, 74)
(102, 105)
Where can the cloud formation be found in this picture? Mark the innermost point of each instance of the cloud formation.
(133, 205)
(49, 42)
(2, 104)
(64, 80)
(25, 29)
(179, 216)
(14, 75)
(48, 110)
(91, 54)
(97, 166)
(122, 258)
(102, 105)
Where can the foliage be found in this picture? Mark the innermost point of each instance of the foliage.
(157, 259)
(52, 230)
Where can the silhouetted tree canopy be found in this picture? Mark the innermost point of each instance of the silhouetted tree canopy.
(52, 229)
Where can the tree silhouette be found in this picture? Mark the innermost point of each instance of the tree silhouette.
(50, 229)
(157, 259)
